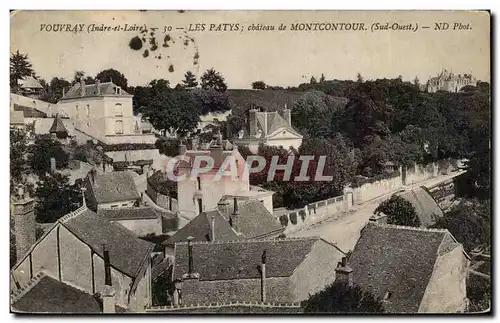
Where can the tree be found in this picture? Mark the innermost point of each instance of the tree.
(56, 88)
(470, 224)
(399, 211)
(113, 75)
(42, 151)
(20, 67)
(322, 78)
(78, 77)
(416, 81)
(17, 155)
(210, 100)
(55, 198)
(359, 78)
(190, 80)
(212, 79)
(313, 80)
(339, 297)
(258, 85)
(168, 146)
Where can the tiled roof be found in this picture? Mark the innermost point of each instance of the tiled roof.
(45, 294)
(241, 259)
(133, 213)
(274, 121)
(30, 83)
(127, 253)
(254, 219)
(425, 206)
(107, 88)
(200, 228)
(396, 259)
(113, 187)
(57, 125)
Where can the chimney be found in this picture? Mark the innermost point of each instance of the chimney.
(213, 228)
(52, 165)
(108, 299)
(216, 152)
(252, 122)
(287, 115)
(190, 274)
(263, 278)
(343, 272)
(233, 220)
(182, 149)
(98, 86)
(82, 88)
(107, 266)
(24, 222)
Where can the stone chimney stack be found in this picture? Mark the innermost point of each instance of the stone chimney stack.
(343, 272)
(108, 299)
(52, 165)
(234, 218)
(216, 151)
(213, 228)
(24, 222)
(82, 88)
(252, 122)
(98, 86)
(263, 278)
(287, 115)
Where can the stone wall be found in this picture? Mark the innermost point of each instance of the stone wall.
(369, 191)
(161, 200)
(133, 155)
(143, 227)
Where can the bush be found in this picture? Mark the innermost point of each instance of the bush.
(399, 211)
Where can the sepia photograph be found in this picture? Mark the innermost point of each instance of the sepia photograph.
(265, 162)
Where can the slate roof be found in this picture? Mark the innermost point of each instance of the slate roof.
(200, 228)
(107, 88)
(254, 219)
(241, 259)
(113, 187)
(134, 213)
(425, 206)
(399, 260)
(44, 294)
(126, 252)
(57, 125)
(30, 83)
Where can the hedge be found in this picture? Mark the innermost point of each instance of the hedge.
(128, 146)
(359, 181)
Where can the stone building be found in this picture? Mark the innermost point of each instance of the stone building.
(87, 252)
(280, 270)
(450, 82)
(110, 190)
(197, 194)
(269, 128)
(141, 220)
(104, 112)
(412, 270)
(23, 222)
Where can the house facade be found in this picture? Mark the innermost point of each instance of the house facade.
(103, 111)
(412, 270)
(87, 252)
(280, 270)
(269, 128)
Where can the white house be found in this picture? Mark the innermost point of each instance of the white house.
(269, 128)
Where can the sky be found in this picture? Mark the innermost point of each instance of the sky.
(284, 58)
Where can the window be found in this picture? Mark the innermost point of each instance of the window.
(114, 206)
(198, 180)
(124, 204)
(88, 110)
(200, 206)
(119, 127)
(118, 110)
(77, 112)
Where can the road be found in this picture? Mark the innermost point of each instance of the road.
(344, 230)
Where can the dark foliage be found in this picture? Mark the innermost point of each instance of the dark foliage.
(399, 211)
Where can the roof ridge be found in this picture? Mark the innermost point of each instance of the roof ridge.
(72, 214)
(251, 240)
(405, 227)
(225, 304)
(17, 295)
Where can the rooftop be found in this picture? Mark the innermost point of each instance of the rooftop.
(425, 206)
(44, 294)
(90, 90)
(133, 213)
(113, 187)
(241, 259)
(399, 260)
(30, 83)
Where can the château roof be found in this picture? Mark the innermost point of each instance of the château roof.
(106, 89)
